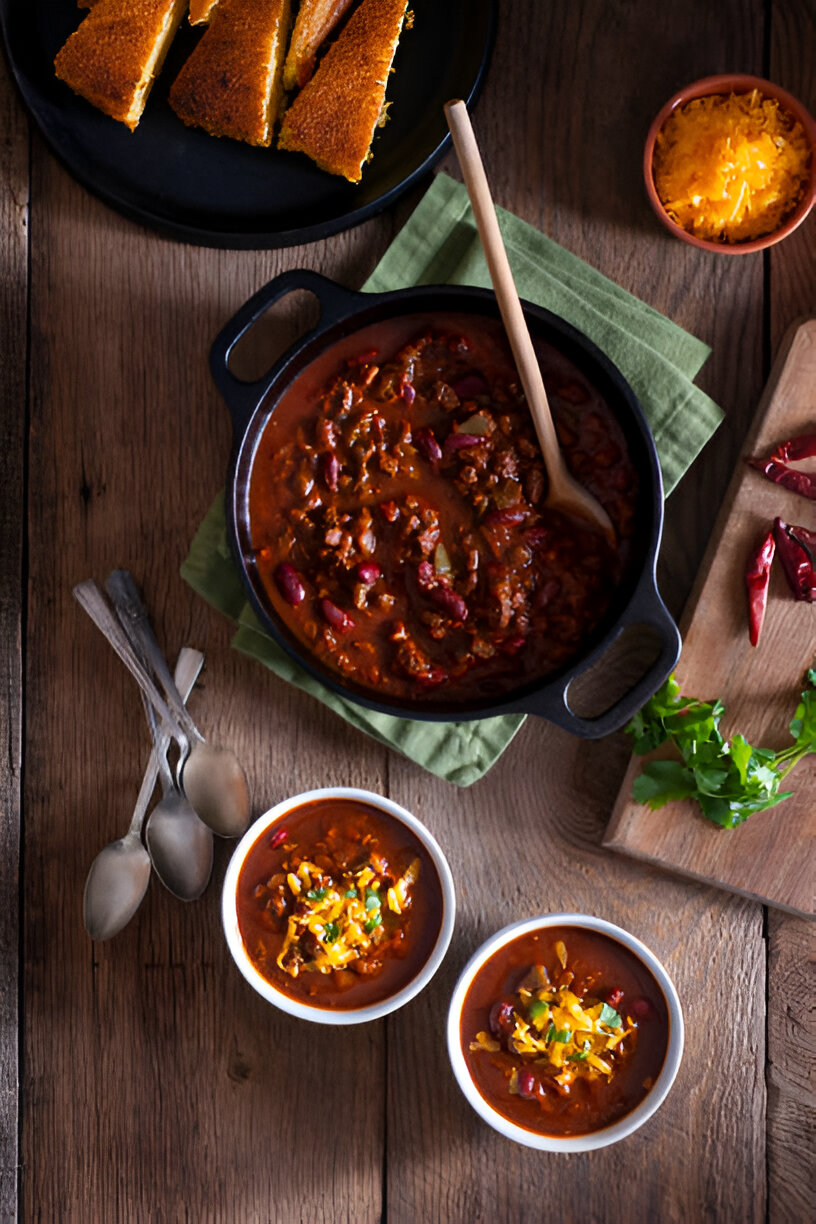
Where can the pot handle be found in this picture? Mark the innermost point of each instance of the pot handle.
(242, 398)
(646, 608)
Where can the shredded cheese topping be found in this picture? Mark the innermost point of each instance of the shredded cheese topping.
(336, 921)
(553, 1029)
(731, 168)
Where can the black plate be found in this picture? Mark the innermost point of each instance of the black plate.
(223, 193)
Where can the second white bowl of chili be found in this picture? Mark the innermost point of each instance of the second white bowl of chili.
(565, 1033)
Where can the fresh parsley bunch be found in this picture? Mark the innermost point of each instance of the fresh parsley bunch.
(729, 779)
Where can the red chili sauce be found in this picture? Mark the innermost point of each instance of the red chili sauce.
(555, 1090)
(316, 901)
(397, 513)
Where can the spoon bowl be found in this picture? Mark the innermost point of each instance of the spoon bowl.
(180, 846)
(119, 875)
(216, 786)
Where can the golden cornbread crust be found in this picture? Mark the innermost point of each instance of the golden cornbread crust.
(232, 83)
(107, 60)
(315, 21)
(332, 119)
(201, 11)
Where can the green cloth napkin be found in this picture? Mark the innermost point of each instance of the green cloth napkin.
(440, 244)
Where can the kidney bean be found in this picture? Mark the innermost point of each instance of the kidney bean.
(527, 1085)
(500, 1020)
(368, 572)
(507, 517)
(470, 385)
(451, 603)
(458, 441)
(538, 535)
(336, 617)
(331, 471)
(513, 644)
(641, 1008)
(614, 997)
(428, 445)
(288, 582)
(407, 390)
(426, 575)
(278, 837)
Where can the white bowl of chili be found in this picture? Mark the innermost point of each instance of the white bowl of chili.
(565, 1033)
(338, 906)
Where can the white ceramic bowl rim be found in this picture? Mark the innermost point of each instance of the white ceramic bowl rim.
(229, 915)
(617, 1130)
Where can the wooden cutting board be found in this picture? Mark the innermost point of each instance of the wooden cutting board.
(772, 857)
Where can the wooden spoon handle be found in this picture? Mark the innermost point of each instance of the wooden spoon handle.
(484, 211)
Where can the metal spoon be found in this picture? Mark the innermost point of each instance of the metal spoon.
(212, 777)
(180, 845)
(119, 875)
(564, 493)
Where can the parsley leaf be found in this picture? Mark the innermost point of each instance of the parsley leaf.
(729, 780)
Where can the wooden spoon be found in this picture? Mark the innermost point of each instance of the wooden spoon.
(565, 494)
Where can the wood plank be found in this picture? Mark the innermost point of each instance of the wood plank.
(527, 838)
(13, 411)
(791, 1070)
(190, 1098)
(791, 1119)
(758, 685)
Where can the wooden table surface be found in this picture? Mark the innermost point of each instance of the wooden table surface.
(142, 1079)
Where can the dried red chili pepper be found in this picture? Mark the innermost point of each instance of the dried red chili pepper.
(757, 578)
(776, 469)
(797, 551)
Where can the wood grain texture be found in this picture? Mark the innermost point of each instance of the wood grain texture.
(183, 1106)
(757, 684)
(13, 352)
(791, 1121)
(791, 1072)
(156, 1084)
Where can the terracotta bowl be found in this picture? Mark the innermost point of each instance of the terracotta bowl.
(725, 84)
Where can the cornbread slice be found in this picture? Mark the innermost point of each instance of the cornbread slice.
(315, 21)
(112, 58)
(232, 84)
(201, 11)
(332, 119)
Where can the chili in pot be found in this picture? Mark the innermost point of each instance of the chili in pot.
(398, 520)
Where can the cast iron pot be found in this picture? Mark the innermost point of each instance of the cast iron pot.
(343, 313)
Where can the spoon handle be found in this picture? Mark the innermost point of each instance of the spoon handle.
(188, 666)
(470, 161)
(91, 599)
(135, 620)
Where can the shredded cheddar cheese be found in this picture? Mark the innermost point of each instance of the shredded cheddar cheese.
(731, 168)
(551, 1028)
(343, 917)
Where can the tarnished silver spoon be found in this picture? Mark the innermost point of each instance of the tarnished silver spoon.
(211, 777)
(119, 875)
(180, 845)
